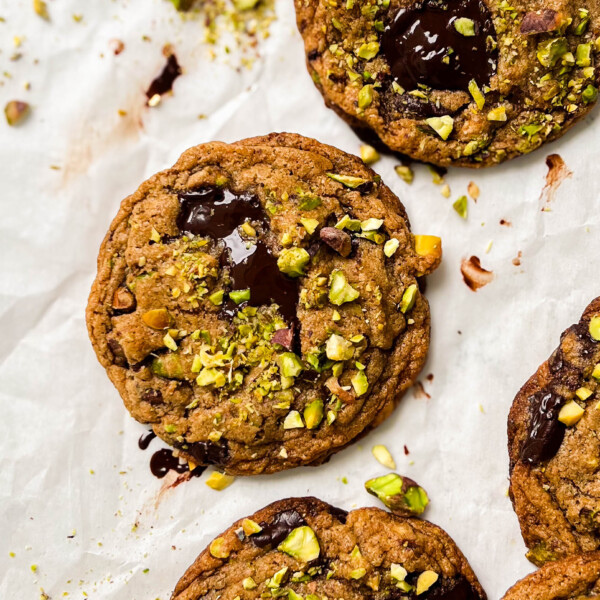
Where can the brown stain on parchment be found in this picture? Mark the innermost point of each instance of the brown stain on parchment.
(557, 173)
(419, 391)
(474, 275)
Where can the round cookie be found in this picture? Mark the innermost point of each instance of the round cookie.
(258, 304)
(575, 577)
(469, 82)
(305, 549)
(555, 449)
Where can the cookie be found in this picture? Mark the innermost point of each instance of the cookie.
(259, 305)
(469, 82)
(576, 577)
(555, 449)
(303, 548)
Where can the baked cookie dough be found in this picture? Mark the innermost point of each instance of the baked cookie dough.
(259, 305)
(305, 549)
(575, 577)
(464, 82)
(554, 447)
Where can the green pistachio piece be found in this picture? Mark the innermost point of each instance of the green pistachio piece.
(550, 51)
(239, 296)
(425, 581)
(340, 291)
(594, 328)
(408, 298)
(16, 112)
(465, 26)
(530, 130)
(461, 207)
(290, 365)
(313, 414)
(497, 114)
(347, 223)
(584, 21)
(292, 261)
(242, 5)
(337, 348)
(596, 372)
(293, 596)
(583, 55)
(397, 572)
(301, 544)
(168, 366)
(406, 173)
(276, 580)
(441, 125)
(371, 224)
(397, 88)
(309, 201)
(589, 94)
(293, 420)
(400, 494)
(368, 154)
(404, 586)
(169, 342)
(358, 573)
(368, 50)
(310, 225)
(217, 297)
(365, 96)
(249, 584)
(477, 94)
(208, 377)
(250, 527)
(347, 180)
(390, 247)
(360, 383)
(541, 554)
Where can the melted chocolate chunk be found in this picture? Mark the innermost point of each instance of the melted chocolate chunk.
(422, 45)
(339, 513)
(206, 453)
(278, 529)
(145, 439)
(458, 589)
(163, 461)
(546, 432)
(164, 82)
(218, 213)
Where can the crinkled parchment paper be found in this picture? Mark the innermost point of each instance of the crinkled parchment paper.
(77, 499)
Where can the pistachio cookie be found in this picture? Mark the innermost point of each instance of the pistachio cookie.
(575, 577)
(303, 548)
(464, 82)
(555, 449)
(258, 304)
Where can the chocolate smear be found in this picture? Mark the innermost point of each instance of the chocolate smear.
(145, 439)
(164, 82)
(474, 275)
(278, 529)
(557, 173)
(546, 432)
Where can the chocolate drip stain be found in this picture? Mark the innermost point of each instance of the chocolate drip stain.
(163, 461)
(422, 46)
(164, 82)
(218, 213)
(273, 533)
(145, 440)
(546, 432)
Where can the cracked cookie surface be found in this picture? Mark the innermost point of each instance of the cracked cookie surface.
(468, 83)
(575, 577)
(555, 449)
(305, 549)
(258, 304)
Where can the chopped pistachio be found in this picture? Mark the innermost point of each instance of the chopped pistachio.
(335, 316)
(383, 456)
(169, 342)
(249, 584)
(428, 244)
(398, 572)
(170, 428)
(290, 365)
(465, 26)
(158, 318)
(340, 291)
(550, 51)
(291, 594)
(365, 96)
(239, 296)
(371, 224)
(219, 481)
(15, 112)
(405, 172)
(425, 581)
(337, 348)
(461, 207)
(399, 494)
(477, 94)
(41, 9)
(208, 377)
(583, 55)
(445, 191)
(390, 247)
(441, 125)
(310, 225)
(218, 548)
(277, 579)
(358, 573)
(347, 180)
(570, 414)
(360, 383)
(583, 393)
(497, 114)
(347, 223)
(243, 5)
(408, 298)
(368, 154)
(217, 297)
(594, 328)
(368, 50)
(589, 94)
(302, 544)
(596, 372)
(293, 420)
(313, 414)
(292, 261)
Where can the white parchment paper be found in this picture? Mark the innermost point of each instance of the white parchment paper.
(76, 495)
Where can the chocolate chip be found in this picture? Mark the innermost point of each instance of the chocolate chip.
(339, 513)
(337, 239)
(284, 337)
(123, 300)
(118, 353)
(546, 432)
(540, 22)
(273, 533)
(206, 453)
(313, 55)
(152, 396)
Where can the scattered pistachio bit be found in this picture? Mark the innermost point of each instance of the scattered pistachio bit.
(465, 26)
(368, 154)
(550, 51)
(390, 247)
(405, 172)
(428, 244)
(276, 580)
(365, 96)
(497, 114)
(371, 224)
(368, 50)
(337, 348)
(219, 481)
(292, 261)
(41, 9)
(248, 229)
(169, 342)
(302, 544)
(441, 125)
(589, 94)
(249, 584)
(239, 296)
(293, 420)
(217, 297)
(310, 225)
(358, 573)
(400, 494)
(383, 456)
(398, 572)
(347, 223)
(397, 88)
(408, 298)
(340, 291)
(583, 393)
(360, 383)
(290, 365)
(34, 568)
(461, 207)
(208, 377)
(425, 581)
(158, 318)
(313, 414)
(594, 328)
(347, 180)
(218, 548)
(473, 190)
(570, 413)
(596, 372)
(583, 55)
(477, 94)
(16, 112)
(445, 191)
(170, 428)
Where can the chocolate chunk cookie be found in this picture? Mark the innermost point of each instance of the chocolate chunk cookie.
(259, 305)
(576, 577)
(463, 82)
(555, 449)
(305, 549)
